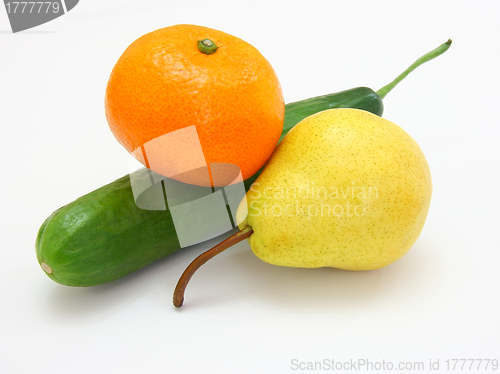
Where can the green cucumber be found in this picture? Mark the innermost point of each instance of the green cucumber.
(104, 235)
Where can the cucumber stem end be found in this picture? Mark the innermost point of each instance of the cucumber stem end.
(427, 57)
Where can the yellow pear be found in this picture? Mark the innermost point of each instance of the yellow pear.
(344, 189)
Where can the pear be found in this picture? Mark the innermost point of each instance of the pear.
(344, 189)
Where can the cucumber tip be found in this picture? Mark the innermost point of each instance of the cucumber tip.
(46, 268)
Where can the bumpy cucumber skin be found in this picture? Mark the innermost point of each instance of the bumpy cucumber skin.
(104, 235)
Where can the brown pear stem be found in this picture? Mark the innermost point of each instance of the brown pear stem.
(204, 257)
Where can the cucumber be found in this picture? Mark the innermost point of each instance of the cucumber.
(104, 235)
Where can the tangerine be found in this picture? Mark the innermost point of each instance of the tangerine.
(183, 87)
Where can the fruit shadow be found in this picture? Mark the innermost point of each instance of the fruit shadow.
(323, 290)
(243, 278)
(238, 279)
(155, 282)
(290, 290)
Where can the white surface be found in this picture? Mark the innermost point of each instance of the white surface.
(441, 301)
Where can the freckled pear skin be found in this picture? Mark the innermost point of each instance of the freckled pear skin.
(344, 189)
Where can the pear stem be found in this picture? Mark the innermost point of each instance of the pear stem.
(427, 57)
(204, 257)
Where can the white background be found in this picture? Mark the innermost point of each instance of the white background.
(441, 301)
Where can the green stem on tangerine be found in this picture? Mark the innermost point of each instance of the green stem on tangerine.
(427, 57)
(204, 257)
(207, 46)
